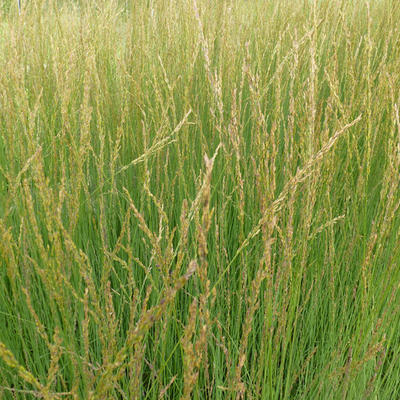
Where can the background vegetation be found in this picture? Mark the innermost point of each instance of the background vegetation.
(200, 199)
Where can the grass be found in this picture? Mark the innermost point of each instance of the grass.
(200, 200)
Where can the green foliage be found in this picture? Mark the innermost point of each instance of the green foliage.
(200, 200)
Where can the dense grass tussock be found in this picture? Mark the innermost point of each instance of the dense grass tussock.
(200, 200)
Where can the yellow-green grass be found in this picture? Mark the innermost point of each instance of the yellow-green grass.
(200, 199)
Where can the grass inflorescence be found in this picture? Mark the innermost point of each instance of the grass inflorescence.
(200, 200)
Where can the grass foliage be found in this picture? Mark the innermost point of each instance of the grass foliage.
(200, 199)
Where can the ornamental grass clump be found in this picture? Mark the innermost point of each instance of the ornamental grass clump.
(200, 200)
